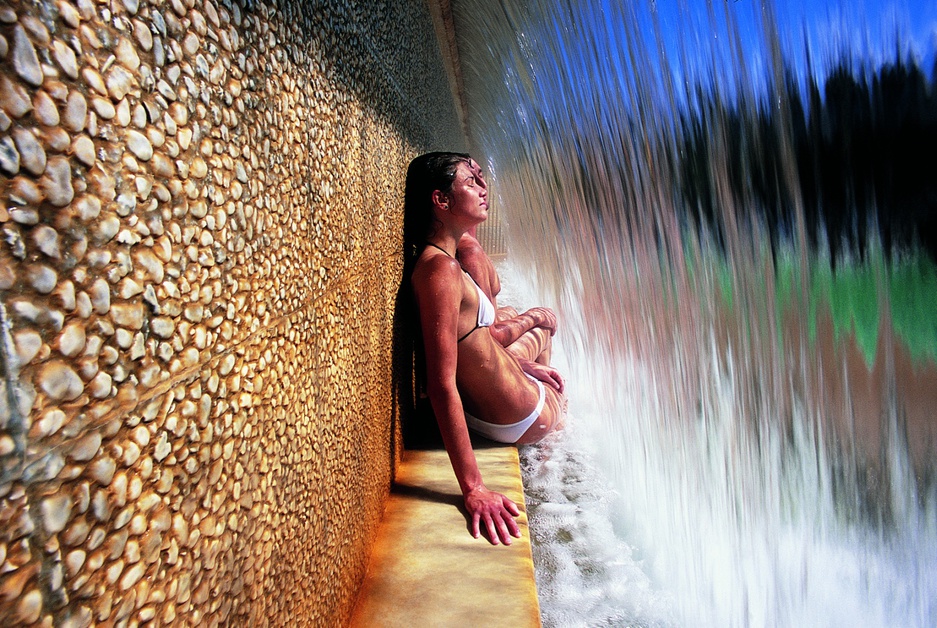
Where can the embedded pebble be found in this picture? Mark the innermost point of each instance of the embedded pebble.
(72, 339)
(13, 98)
(129, 288)
(83, 149)
(46, 111)
(57, 182)
(32, 155)
(100, 386)
(127, 54)
(86, 447)
(47, 239)
(123, 112)
(88, 207)
(93, 78)
(42, 278)
(139, 145)
(100, 294)
(198, 169)
(51, 421)
(55, 512)
(25, 60)
(143, 35)
(65, 57)
(107, 228)
(29, 607)
(66, 294)
(162, 326)
(119, 82)
(102, 470)
(76, 112)
(104, 108)
(69, 13)
(74, 561)
(25, 191)
(128, 315)
(132, 575)
(55, 138)
(9, 156)
(27, 343)
(37, 30)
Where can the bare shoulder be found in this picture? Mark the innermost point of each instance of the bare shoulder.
(471, 249)
(473, 257)
(435, 273)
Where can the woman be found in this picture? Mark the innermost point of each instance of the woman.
(471, 379)
(509, 327)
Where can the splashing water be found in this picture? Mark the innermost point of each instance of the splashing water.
(750, 354)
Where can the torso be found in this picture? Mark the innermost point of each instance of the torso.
(491, 383)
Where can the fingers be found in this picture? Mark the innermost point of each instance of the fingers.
(560, 384)
(497, 531)
(502, 527)
(553, 379)
(496, 519)
(512, 511)
(511, 507)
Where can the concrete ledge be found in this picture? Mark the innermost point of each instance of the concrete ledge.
(427, 570)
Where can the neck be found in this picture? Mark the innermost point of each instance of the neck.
(445, 241)
(445, 248)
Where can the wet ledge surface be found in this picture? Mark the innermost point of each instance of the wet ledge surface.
(427, 570)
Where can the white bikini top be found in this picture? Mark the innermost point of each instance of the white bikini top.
(486, 310)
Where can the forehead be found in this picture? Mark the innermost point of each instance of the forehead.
(463, 170)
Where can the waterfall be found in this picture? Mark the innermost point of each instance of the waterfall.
(725, 216)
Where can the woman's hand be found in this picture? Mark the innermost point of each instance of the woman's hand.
(546, 374)
(543, 317)
(496, 511)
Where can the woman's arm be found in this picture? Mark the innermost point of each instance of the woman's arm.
(507, 331)
(438, 286)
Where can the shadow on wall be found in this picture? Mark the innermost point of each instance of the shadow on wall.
(395, 72)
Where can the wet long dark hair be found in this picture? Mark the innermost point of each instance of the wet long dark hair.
(427, 173)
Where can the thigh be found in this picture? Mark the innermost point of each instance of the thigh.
(552, 418)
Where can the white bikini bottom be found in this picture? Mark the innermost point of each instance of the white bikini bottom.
(512, 432)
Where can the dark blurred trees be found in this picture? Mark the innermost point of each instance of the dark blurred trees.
(858, 153)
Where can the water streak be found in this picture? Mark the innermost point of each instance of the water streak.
(771, 448)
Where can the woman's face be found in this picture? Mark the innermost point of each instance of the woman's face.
(468, 197)
(477, 171)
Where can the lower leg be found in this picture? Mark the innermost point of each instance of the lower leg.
(534, 345)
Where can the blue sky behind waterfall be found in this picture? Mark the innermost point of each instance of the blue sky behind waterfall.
(870, 30)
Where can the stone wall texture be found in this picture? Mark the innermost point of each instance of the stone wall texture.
(201, 209)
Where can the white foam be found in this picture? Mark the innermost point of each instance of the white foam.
(641, 521)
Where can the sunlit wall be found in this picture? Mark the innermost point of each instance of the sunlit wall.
(200, 204)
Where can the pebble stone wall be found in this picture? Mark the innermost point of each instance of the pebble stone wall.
(200, 204)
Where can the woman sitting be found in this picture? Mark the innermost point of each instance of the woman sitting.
(472, 381)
